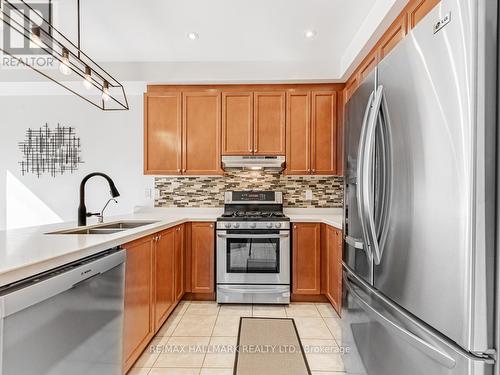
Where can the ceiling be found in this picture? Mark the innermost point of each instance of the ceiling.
(239, 40)
(229, 30)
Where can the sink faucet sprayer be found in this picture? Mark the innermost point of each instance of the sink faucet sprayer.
(82, 210)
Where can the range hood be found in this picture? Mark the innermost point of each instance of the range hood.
(254, 163)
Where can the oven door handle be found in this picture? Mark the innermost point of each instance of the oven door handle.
(251, 236)
(260, 291)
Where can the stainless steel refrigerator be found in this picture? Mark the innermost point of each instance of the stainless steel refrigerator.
(419, 256)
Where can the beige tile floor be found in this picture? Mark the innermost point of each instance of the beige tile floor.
(178, 348)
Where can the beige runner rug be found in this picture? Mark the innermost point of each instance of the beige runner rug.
(269, 346)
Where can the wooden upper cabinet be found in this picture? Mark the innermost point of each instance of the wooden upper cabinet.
(350, 87)
(162, 133)
(138, 326)
(418, 9)
(395, 33)
(367, 66)
(202, 257)
(269, 123)
(179, 262)
(298, 133)
(306, 269)
(237, 123)
(201, 127)
(164, 276)
(324, 132)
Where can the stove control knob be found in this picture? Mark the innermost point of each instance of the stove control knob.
(253, 225)
(269, 225)
(227, 225)
(277, 225)
(236, 225)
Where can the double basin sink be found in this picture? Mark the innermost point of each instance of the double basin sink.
(110, 228)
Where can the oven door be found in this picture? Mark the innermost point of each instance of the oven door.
(253, 257)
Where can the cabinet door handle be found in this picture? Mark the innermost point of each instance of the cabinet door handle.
(179, 170)
(211, 225)
(294, 227)
(314, 171)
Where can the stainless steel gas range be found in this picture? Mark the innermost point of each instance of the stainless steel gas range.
(253, 249)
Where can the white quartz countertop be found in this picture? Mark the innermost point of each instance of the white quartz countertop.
(28, 251)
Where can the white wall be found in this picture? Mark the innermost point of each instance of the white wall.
(111, 143)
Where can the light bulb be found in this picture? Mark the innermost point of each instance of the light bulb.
(87, 82)
(35, 31)
(192, 35)
(310, 34)
(64, 66)
(105, 91)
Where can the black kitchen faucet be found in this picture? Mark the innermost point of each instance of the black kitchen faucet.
(82, 210)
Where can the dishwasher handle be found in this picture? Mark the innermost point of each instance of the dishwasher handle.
(49, 284)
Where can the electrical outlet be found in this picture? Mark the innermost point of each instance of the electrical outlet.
(147, 193)
(157, 193)
(309, 195)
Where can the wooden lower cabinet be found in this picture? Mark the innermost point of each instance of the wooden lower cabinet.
(317, 264)
(179, 262)
(306, 262)
(154, 284)
(332, 256)
(202, 258)
(138, 326)
(164, 275)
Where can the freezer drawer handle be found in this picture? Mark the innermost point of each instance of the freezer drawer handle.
(404, 334)
(355, 242)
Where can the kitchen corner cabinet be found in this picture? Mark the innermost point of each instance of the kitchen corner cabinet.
(201, 128)
(306, 258)
(311, 146)
(332, 249)
(202, 257)
(138, 327)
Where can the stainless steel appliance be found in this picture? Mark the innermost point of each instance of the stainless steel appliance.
(253, 249)
(268, 163)
(65, 321)
(420, 200)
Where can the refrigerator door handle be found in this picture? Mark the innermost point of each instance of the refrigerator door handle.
(401, 332)
(359, 171)
(378, 115)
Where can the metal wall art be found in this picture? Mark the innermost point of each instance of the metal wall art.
(53, 151)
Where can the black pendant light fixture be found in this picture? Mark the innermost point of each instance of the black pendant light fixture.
(71, 68)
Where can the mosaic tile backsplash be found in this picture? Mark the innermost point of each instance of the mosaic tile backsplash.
(209, 191)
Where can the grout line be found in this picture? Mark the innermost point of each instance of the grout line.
(211, 334)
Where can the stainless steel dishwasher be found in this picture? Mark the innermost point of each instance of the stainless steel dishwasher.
(65, 321)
